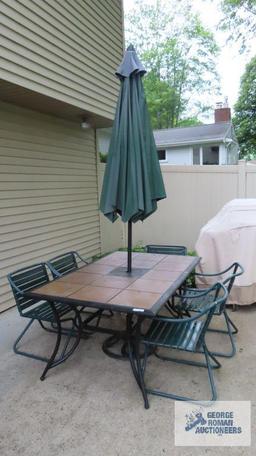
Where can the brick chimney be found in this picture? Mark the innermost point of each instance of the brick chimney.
(222, 112)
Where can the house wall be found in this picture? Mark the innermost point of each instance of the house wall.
(64, 49)
(179, 156)
(194, 195)
(103, 136)
(184, 155)
(232, 153)
(48, 191)
(223, 155)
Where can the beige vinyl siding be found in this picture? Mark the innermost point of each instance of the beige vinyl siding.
(48, 191)
(65, 49)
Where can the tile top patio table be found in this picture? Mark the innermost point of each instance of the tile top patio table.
(105, 284)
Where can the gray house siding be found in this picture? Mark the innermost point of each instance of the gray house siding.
(57, 65)
(64, 49)
(48, 191)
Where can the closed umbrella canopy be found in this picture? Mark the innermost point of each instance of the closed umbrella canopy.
(133, 181)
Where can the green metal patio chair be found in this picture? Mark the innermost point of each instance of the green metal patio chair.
(65, 263)
(187, 335)
(69, 262)
(25, 280)
(185, 305)
(166, 249)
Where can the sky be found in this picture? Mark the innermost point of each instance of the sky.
(231, 64)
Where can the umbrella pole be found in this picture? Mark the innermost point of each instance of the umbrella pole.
(129, 250)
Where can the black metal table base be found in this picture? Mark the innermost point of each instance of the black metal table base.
(114, 340)
(76, 331)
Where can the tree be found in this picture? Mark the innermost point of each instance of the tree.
(240, 20)
(245, 112)
(179, 54)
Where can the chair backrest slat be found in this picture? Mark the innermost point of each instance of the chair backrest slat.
(167, 249)
(63, 264)
(26, 279)
(216, 295)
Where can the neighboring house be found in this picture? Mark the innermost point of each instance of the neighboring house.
(212, 144)
(56, 75)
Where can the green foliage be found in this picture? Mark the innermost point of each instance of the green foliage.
(136, 248)
(192, 253)
(245, 112)
(189, 122)
(179, 54)
(240, 20)
(103, 157)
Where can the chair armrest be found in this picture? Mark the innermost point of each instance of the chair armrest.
(80, 257)
(52, 269)
(197, 292)
(213, 274)
(218, 300)
(17, 289)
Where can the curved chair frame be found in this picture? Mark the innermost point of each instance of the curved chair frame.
(64, 264)
(22, 282)
(154, 338)
(167, 250)
(186, 306)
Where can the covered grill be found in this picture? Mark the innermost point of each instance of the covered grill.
(229, 237)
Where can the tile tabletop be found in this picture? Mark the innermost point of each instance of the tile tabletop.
(106, 284)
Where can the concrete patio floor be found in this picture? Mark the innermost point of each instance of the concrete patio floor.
(91, 404)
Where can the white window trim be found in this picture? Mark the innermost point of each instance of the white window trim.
(201, 155)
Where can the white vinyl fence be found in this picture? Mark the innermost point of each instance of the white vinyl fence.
(194, 195)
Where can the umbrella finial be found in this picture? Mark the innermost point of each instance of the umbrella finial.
(130, 48)
(130, 64)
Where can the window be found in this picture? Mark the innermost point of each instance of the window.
(161, 155)
(196, 155)
(210, 155)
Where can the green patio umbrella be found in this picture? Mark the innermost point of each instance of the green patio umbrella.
(133, 181)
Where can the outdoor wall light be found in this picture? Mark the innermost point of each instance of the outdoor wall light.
(85, 124)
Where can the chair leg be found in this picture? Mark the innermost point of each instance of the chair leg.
(20, 352)
(140, 370)
(32, 355)
(231, 338)
(53, 362)
(210, 373)
(133, 343)
(56, 348)
(235, 329)
(75, 331)
(207, 364)
(66, 354)
(224, 331)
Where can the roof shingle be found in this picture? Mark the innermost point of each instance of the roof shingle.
(192, 135)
